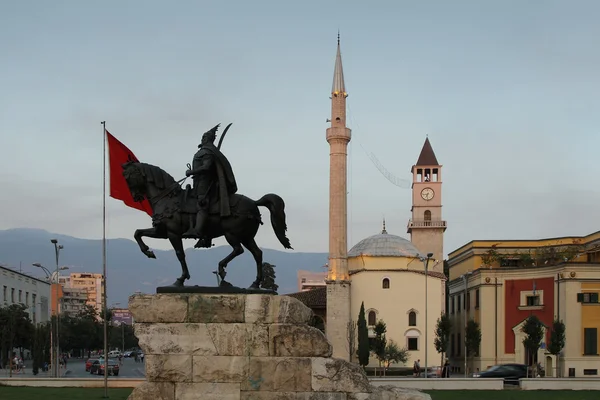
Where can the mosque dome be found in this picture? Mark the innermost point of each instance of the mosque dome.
(384, 245)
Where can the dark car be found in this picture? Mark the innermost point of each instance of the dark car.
(98, 367)
(510, 372)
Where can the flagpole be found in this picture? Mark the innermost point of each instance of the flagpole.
(104, 259)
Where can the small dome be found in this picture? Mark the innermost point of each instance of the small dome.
(384, 245)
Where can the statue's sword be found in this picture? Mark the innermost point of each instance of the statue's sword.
(222, 136)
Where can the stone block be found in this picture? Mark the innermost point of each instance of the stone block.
(216, 308)
(390, 392)
(207, 391)
(219, 369)
(292, 396)
(168, 368)
(287, 340)
(240, 339)
(278, 374)
(158, 307)
(335, 375)
(177, 338)
(268, 309)
(154, 391)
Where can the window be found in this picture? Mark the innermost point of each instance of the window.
(427, 215)
(533, 301)
(412, 318)
(589, 298)
(590, 341)
(476, 298)
(386, 283)
(372, 318)
(452, 305)
(413, 343)
(12, 295)
(468, 302)
(452, 348)
(20, 296)
(26, 298)
(5, 293)
(458, 345)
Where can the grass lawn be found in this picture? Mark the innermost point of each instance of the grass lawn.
(46, 393)
(514, 394)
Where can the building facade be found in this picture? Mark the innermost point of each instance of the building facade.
(499, 284)
(33, 293)
(427, 227)
(308, 280)
(92, 285)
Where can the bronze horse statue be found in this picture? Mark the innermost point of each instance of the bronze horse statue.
(172, 210)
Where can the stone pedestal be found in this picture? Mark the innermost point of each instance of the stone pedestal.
(242, 347)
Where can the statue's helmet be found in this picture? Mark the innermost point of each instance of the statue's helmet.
(210, 136)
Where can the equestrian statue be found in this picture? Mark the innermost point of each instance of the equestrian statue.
(209, 209)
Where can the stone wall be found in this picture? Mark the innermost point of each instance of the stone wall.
(241, 347)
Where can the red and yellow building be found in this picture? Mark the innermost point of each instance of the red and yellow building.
(500, 283)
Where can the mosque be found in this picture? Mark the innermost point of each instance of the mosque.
(400, 281)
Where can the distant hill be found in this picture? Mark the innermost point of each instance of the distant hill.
(128, 270)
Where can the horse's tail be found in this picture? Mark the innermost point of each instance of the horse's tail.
(276, 206)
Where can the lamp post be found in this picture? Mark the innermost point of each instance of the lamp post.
(53, 342)
(466, 281)
(426, 264)
(57, 249)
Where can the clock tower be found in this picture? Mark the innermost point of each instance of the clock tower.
(426, 226)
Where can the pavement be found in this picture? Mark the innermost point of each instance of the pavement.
(76, 369)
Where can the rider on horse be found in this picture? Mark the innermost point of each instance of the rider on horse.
(213, 182)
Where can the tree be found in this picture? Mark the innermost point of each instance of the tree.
(393, 354)
(268, 282)
(351, 337)
(534, 333)
(557, 341)
(472, 338)
(363, 337)
(442, 335)
(16, 330)
(380, 341)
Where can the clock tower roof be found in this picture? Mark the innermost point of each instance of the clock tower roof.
(427, 156)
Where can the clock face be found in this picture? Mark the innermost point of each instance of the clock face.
(427, 194)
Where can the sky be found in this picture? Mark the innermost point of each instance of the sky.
(507, 92)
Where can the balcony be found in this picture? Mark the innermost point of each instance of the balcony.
(421, 223)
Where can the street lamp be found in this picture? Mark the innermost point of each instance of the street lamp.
(466, 281)
(53, 343)
(426, 264)
(122, 330)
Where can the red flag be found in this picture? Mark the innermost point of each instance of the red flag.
(119, 154)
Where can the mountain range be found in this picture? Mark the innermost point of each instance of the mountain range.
(129, 271)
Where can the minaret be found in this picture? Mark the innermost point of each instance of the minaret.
(338, 279)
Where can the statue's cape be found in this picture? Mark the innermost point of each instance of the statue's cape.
(227, 183)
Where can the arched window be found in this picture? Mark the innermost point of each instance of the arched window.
(412, 318)
(427, 215)
(372, 318)
(385, 283)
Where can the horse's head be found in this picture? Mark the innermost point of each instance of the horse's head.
(136, 180)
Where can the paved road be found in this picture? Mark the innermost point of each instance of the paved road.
(129, 369)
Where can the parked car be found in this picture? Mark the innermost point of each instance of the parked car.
(98, 367)
(510, 372)
(88, 364)
(114, 354)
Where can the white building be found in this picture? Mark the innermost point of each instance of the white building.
(20, 288)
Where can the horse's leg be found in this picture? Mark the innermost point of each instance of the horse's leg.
(258, 257)
(237, 250)
(178, 247)
(148, 232)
